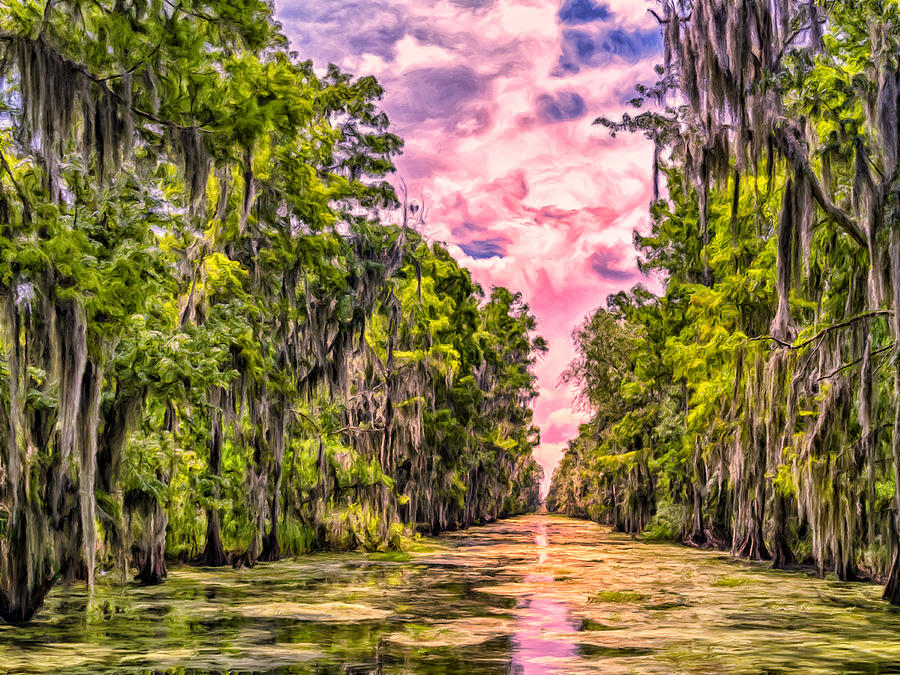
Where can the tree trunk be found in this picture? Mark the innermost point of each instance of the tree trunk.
(21, 593)
(892, 588)
(154, 518)
(152, 569)
(271, 548)
(844, 564)
(698, 531)
(48, 462)
(782, 555)
(721, 519)
(213, 551)
(753, 545)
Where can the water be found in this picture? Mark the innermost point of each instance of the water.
(537, 594)
(541, 634)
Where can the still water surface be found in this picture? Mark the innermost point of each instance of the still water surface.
(536, 594)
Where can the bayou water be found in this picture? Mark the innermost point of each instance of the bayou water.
(535, 594)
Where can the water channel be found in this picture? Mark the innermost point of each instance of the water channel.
(535, 594)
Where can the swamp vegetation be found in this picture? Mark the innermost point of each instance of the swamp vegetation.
(533, 594)
(223, 339)
(226, 343)
(754, 406)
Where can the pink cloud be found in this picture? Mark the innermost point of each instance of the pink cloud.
(495, 99)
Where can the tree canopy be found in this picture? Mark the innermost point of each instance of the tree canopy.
(757, 404)
(218, 344)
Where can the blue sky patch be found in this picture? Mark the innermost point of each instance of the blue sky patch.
(582, 48)
(566, 105)
(494, 247)
(575, 12)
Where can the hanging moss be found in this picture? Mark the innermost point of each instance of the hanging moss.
(775, 334)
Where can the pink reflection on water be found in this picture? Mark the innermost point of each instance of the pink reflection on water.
(537, 646)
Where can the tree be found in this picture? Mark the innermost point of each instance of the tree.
(775, 130)
(208, 325)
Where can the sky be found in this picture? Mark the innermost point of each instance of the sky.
(495, 100)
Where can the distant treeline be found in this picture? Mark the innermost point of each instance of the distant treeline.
(214, 345)
(755, 404)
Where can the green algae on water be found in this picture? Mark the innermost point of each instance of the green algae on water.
(618, 596)
(488, 599)
(732, 582)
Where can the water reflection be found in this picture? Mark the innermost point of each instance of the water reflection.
(542, 640)
(537, 594)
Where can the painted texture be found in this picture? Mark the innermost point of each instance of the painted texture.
(533, 594)
(496, 99)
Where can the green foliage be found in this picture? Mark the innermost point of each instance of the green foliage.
(667, 523)
(751, 405)
(213, 345)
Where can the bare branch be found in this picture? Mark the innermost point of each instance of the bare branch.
(853, 363)
(822, 333)
(797, 156)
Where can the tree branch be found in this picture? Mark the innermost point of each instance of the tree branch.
(658, 18)
(844, 324)
(853, 363)
(797, 156)
(822, 333)
(101, 83)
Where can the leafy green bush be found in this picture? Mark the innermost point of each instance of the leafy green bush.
(669, 524)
